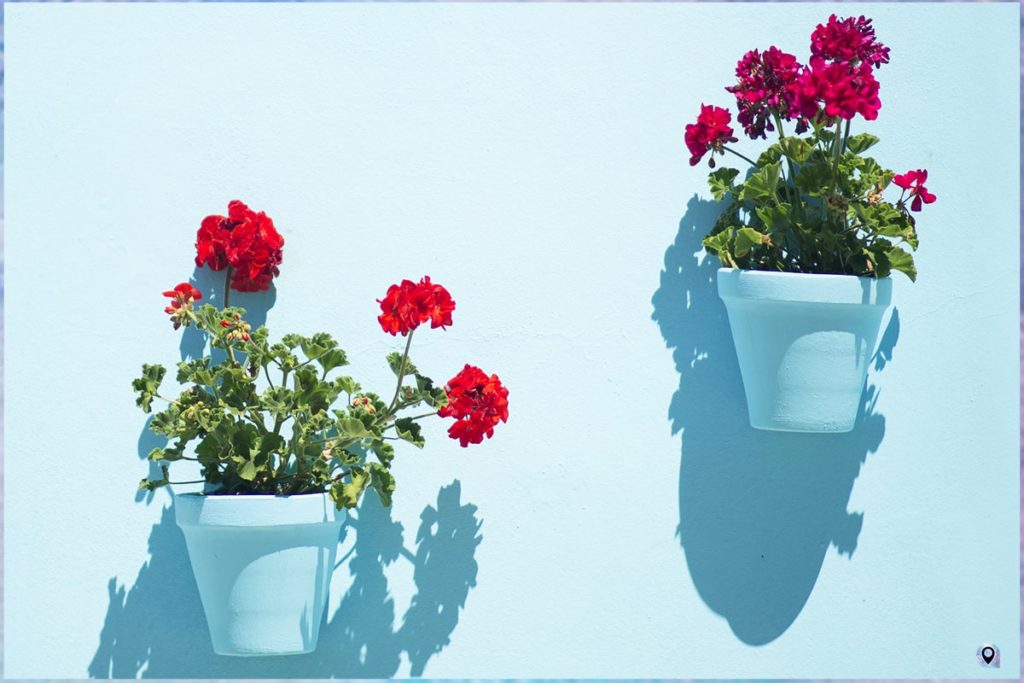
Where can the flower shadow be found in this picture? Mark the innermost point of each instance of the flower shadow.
(758, 510)
(157, 629)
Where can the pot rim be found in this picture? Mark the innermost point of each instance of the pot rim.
(255, 510)
(762, 285)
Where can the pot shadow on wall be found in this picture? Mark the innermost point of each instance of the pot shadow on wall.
(156, 628)
(757, 509)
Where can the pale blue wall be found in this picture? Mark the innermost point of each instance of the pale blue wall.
(530, 158)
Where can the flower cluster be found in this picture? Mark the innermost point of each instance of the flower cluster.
(245, 241)
(709, 133)
(409, 304)
(771, 86)
(763, 89)
(838, 89)
(848, 40)
(477, 401)
(238, 329)
(183, 296)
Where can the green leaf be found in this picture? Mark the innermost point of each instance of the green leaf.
(196, 371)
(435, 397)
(861, 143)
(721, 182)
(277, 401)
(718, 244)
(769, 156)
(775, 218)
(148, 385)
(814, 178)
(292, 340)
(796, 148)
(383, 482)
(209, 449)
(247, 470)
(395, 363)
(902, 261)
(409, 431)
(747, 239)
(346, 494)
(167, 454)
(347, 457)
(165, 422)
(283, 356)
(154, 484)
(384, 451)
(334, 358)
(353, 427)
(346, 384)
(762, 185)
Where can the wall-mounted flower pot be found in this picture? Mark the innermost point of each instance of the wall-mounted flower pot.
(263, 566)
(803, 342)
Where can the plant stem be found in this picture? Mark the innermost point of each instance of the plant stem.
(401, 371)
(415, 417)
(837, 145)
(748, 160)
(778, 124)
(789, 162)
(837, 148)
(227, 286)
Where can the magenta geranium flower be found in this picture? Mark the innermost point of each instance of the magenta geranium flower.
(709, 133)
(838, 89)
(763, 82)
(848, 40)
(914, 182)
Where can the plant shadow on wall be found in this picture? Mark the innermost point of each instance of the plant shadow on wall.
(758, 510)
(156, 629)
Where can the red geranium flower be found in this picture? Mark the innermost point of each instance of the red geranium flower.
(477, 402)
(837, 88)
(183, 296)
(848, 40)
(709, 133)
(245, 241)
(439, 303)
(763, 81)
(914, 181)
(409, 304)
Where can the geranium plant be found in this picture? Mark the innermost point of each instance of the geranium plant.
(276, 417)
(812, 202)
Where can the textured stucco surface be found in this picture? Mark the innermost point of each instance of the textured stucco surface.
(283, 669)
